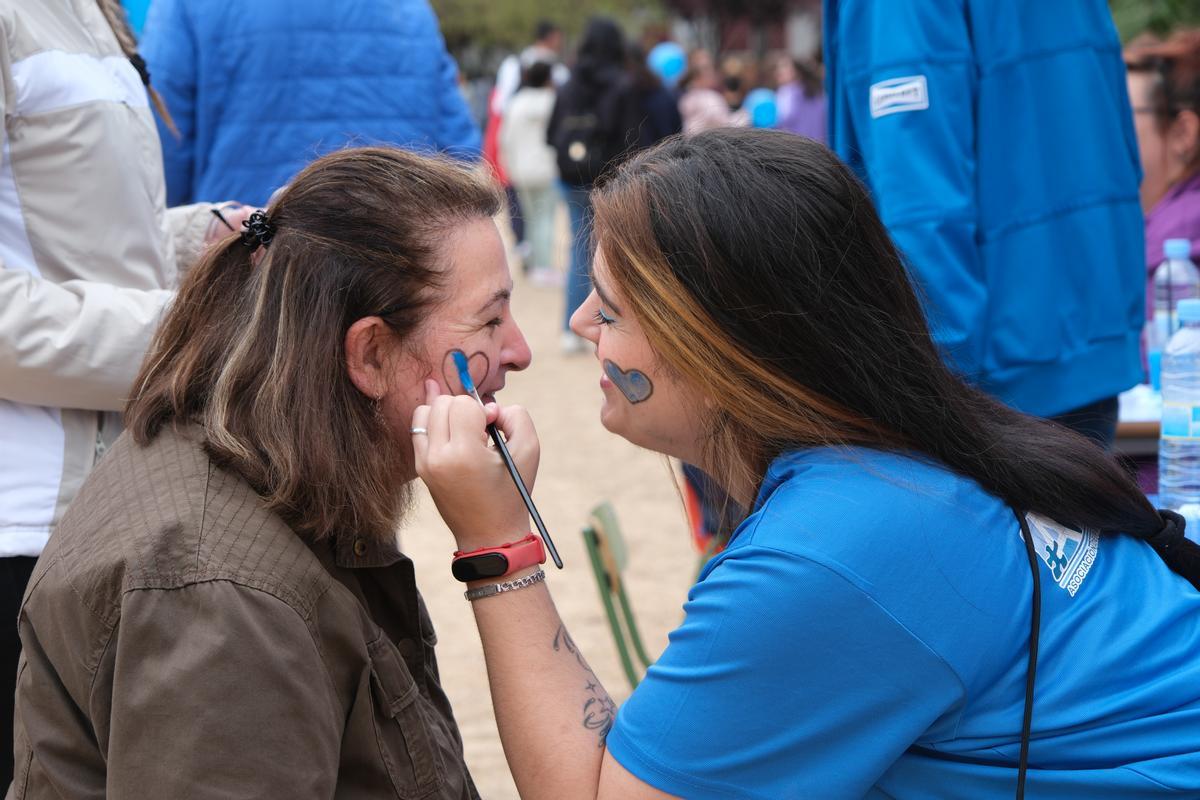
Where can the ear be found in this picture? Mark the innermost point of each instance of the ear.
(1185, 135)
(367, 344)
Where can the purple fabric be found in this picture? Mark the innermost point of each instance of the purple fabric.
(1176, 216)
(800, 113)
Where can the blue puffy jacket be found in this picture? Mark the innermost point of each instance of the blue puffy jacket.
(997, 139)
(258, 89)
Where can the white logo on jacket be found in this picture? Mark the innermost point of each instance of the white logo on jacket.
(899, 94)
(1067, 552)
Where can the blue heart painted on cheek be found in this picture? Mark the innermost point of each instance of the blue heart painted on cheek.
(633, 384)
(479, 366)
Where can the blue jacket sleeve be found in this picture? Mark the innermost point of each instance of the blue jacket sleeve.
(457, 132)
(786, 679)
(903, 84)
(169, 48)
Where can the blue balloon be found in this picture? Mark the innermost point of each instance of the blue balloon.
(668, 61)
(760, 105)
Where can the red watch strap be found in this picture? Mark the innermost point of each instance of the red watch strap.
(487, 562)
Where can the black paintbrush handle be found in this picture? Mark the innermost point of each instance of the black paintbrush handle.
(515, 474)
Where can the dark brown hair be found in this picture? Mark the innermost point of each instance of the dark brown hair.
(760, 271)
(252, 349)
(1176, 65)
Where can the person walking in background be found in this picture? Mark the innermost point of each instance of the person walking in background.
(997, 140)
(259, 89)
(737, 77)
(702, 105)
(495, 161)
(656, 105)
(800, 98)
(1164, 87)
(593, 123)
(532, 170)
(546, 49)
(89, 255)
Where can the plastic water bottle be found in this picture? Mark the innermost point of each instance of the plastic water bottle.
(1175, 279)
(1179, 446)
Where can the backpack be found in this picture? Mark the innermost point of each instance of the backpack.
(587, 132)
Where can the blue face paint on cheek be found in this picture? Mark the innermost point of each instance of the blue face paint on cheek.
(478, 366)
(464, 371)
(633, 384)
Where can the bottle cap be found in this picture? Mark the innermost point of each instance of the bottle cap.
(1189, 310)
(1177, 248)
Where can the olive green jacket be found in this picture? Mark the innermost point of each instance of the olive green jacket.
(180, 641)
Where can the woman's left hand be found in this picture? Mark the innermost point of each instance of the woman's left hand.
(465, 475)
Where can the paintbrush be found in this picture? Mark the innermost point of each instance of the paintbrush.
(464, 376)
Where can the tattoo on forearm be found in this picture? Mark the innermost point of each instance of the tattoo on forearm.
(599, 711)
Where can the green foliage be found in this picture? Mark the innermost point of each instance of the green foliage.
(507, 25)
(1159, 17)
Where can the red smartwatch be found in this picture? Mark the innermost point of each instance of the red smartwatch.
(496, 562)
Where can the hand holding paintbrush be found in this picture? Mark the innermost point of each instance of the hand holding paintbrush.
(480, 504)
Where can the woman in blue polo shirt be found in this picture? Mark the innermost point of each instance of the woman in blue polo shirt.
(869, 631)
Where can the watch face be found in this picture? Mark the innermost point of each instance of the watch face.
(485, 565)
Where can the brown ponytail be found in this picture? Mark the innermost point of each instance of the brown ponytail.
(252, 351)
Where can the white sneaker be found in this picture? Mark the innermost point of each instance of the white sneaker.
(570, 344)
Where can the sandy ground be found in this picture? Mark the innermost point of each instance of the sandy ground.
(582, 464)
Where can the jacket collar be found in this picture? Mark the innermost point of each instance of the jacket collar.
(352, 551)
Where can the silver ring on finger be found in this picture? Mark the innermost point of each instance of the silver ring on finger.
(419, 431)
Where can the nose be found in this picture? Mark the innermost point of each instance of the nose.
(515, 354)
(583, 321)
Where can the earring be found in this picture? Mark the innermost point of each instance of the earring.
(377, 410)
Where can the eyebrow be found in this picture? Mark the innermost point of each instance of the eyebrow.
(603, 295)
(499, 296)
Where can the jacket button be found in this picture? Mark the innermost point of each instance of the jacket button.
(360, 547)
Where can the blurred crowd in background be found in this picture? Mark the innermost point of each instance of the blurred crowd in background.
(646, 71)
(547, 116)
(551, 129)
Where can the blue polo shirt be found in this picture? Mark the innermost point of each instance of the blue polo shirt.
(866, 633)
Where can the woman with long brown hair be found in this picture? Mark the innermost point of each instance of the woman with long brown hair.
(931, 594)
(223, 611)
(1164, 87)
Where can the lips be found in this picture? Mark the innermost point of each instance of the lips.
(489, 395)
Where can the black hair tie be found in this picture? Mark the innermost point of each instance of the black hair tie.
(139, 64)
(259, 231)
(1179, 553)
